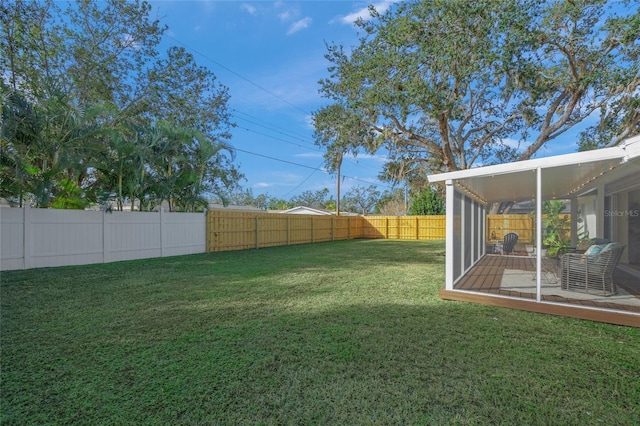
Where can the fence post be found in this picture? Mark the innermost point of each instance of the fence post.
(104, 236)
(207, 230)
(162, 233)
(417, 227)
(288, 230)
(27, 234)
(333, 228)
(257, 229)
(312, 231)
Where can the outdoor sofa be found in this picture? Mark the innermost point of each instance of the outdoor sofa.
(591, 271)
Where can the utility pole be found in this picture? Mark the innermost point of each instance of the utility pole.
(338, 187)
(406, 207)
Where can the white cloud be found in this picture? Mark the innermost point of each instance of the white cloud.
(377, 158)
(261, 185)
(251, 10)
(309, 155)
(511, 143)
(364, 14)
(299, 25)
(288, 13)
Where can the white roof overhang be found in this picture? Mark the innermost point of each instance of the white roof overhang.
(563, 176)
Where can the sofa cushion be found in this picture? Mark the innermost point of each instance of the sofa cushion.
(594, 249)
(610, 246)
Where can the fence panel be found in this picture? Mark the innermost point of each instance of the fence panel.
(11, 239)
(498, 225)
(234, 230)
(183, 233)
(34, 238)
(132, 236)
(375, 227)
(62, 237)
(432, 227)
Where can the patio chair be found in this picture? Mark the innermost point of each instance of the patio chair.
(508, 243)
(591, 273)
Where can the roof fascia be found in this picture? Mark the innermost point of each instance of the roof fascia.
(543, 163)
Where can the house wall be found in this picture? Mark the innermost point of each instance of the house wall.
(634, 226)
(622, 213)
(587, 212)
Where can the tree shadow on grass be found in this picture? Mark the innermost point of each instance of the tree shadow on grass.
(296, 336)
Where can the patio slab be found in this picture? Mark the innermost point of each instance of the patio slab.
(514, 276)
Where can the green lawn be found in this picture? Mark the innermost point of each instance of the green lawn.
(349, 332)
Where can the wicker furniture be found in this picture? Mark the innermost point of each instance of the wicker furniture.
(591, 273)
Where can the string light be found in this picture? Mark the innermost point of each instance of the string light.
(582, 185)
(473, 194)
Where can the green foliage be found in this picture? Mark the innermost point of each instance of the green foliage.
(315, 199)
(360, 200)
(555, 227)
(151, 129)
(427, 202)
(279, 204)
(442, 85)
(392, 203)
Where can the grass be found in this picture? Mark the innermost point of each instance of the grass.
(349, 332)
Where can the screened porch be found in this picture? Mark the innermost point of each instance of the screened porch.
(601, 190)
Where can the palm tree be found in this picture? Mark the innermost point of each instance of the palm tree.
(20, 127)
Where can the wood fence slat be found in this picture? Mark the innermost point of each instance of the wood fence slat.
(234, 230)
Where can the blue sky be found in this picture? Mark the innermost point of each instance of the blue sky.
(271, 56)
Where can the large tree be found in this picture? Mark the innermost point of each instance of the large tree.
(93, 51)
(360, 199)
(315, 199)
(90, 109)
(449, 85)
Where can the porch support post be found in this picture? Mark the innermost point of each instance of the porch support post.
(472, 237)
(538, 234)
(574, 222)
(600, 211)
(449, 254)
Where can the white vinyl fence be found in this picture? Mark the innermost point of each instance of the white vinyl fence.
(35, 238)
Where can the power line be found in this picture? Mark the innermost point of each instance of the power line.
(274, 137)
(261, 88)
(315, 169)
(280, 160)
(292, 134)
(264, 134)
(300, 184)
(353, 161)
(239, 75)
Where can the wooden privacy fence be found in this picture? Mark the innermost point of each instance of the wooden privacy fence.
(234, 230)
(498, 225)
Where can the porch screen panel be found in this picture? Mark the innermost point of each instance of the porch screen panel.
(457, 239)
(467, 235)
(479, 231)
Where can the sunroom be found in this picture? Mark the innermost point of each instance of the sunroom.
(595, 277)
